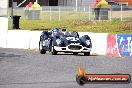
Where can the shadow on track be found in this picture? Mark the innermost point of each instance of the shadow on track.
(5, 56)
(28, 83)
(9, 55)
(80, 54)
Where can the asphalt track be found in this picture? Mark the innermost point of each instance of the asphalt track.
(30, 69)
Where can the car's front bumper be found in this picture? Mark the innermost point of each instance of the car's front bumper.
(66, 49)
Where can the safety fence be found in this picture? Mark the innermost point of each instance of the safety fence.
(119, 45)
(120, 12)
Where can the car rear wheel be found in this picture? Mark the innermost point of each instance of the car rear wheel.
(86, 53)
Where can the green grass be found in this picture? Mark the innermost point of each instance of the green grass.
(114, 26)
(76, 21)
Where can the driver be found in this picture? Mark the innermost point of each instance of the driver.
(55, 31)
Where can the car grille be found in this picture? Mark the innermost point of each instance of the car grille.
(74, 47)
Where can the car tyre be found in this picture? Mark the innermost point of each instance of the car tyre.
(86, 53)
(41, 50)
(53, 51)
(75, 53)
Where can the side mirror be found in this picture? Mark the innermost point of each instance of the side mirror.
(63, 29)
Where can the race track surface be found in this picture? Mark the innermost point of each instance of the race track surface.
(30, 69)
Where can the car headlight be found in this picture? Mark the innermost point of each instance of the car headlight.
(58, 41)
(87, 42)
(44, 43)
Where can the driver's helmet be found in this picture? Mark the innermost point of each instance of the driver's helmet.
(55, 31)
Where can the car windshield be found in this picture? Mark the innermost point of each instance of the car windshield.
(72, 34)
(58, 34)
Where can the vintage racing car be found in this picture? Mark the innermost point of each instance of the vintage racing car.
(69, 42)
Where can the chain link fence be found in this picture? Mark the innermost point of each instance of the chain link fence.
(123, 13)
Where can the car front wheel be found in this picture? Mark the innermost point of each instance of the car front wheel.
(86, 53)
(53, 51)
(41, 50)
(75, 53)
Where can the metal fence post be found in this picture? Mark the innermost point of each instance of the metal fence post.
(76, 5)
(84, 9)
(59, 13)
(89, 13)
(110, 13)
(12, 13)
(78, 12)
(121, 12)
(50, 14)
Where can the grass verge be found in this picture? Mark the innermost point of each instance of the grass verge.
(114, 26)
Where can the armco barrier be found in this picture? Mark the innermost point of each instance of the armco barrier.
(119, 45)
(30, 40)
